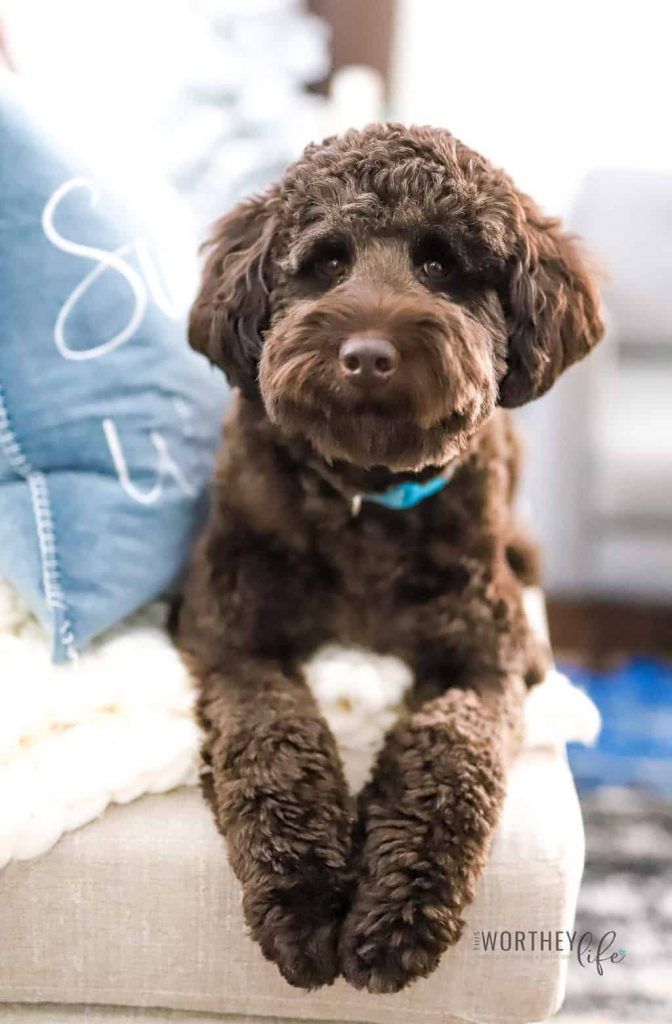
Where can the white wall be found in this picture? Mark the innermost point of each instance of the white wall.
(546, 89)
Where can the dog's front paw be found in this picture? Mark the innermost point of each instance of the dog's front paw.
(297, 928)
(392, 935)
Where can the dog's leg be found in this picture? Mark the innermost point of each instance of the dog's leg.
(426, 820)
(275, 781)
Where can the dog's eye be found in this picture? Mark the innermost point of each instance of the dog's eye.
(328, 262)
(329, 267)
(435, 269)
(434, 261)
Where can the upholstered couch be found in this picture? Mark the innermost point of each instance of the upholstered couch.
(136, 917)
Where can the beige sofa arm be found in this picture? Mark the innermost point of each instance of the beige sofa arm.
(139, 909)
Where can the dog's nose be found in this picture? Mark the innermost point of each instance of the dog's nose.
(368, 360)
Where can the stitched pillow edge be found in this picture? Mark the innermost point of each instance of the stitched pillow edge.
(63, 634)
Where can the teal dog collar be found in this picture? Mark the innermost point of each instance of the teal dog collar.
(405, 495)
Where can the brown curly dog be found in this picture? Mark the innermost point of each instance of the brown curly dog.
(378, 309)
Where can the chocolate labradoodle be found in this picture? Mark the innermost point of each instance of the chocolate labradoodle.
(379, 309)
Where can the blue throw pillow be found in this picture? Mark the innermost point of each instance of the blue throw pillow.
(108, 421)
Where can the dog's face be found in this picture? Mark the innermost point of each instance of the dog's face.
(388, 294)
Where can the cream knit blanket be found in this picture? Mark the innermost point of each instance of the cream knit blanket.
(118, 723)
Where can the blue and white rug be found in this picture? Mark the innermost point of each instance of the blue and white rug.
(625, 783)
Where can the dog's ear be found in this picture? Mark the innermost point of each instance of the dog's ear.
(552, 308)
(231, 312)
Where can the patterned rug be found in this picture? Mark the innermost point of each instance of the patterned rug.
(627, 889)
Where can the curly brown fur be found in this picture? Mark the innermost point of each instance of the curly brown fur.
(405, 235)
